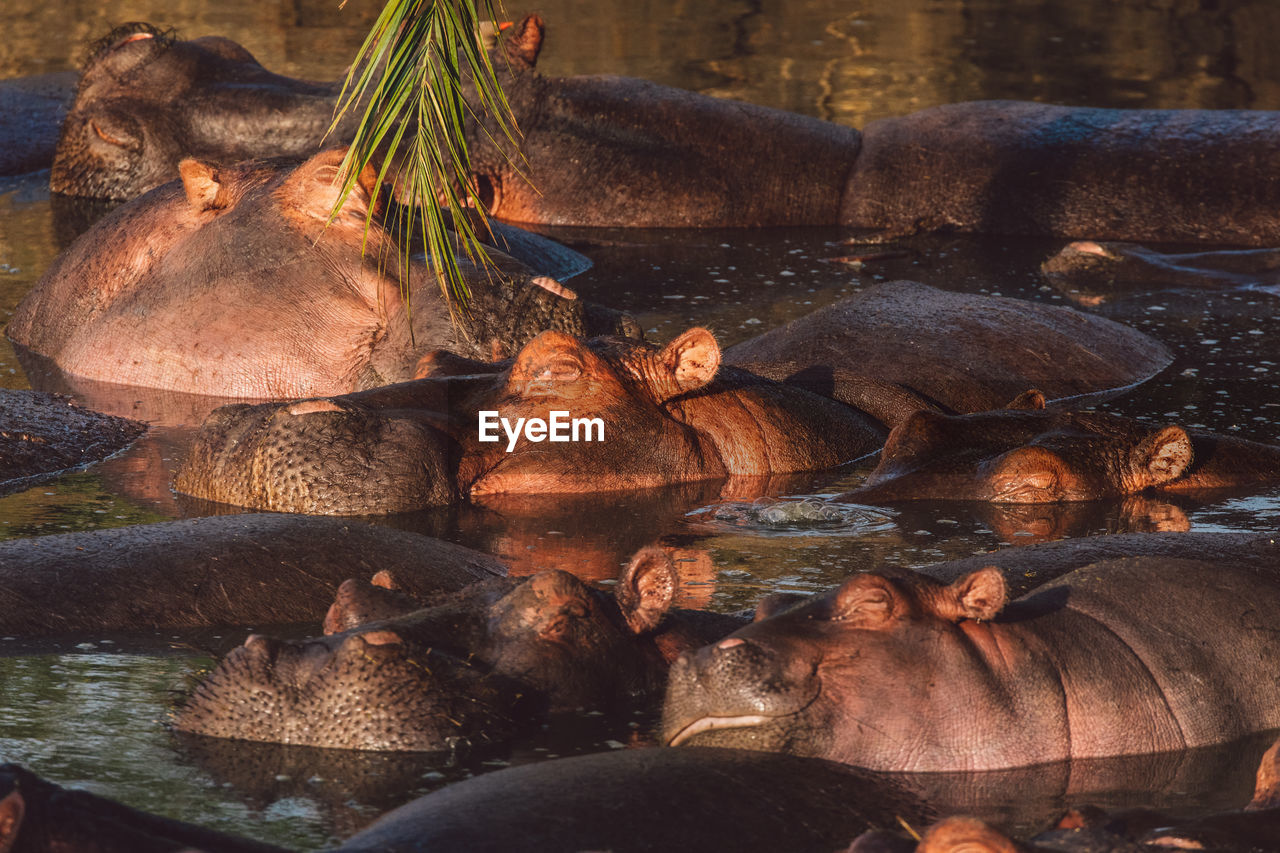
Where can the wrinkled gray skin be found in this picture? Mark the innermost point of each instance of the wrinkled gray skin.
(477, 664)
(234, 282)
(257, 569)
(743, 801)
(147, 100)
(42, 434)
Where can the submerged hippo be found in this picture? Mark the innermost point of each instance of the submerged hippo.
(893, 670)
(42, 434)
(234, 282)
(1028, 456)
(615, 151)
(745, 801)
(668, 414)
(1089, 829)
(650, 155)
(475, 664)
(1098, 268)
(256, 569)
(147, 100)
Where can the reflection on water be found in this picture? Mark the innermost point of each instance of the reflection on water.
(96, 720)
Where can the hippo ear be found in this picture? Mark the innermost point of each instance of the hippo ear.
(965, 835)
(979, 595)
(203, 185)
(524, 42)
(864, 601)
(693, 359)
(12, 809)
(1030, 400)
(1162, 456)
(315, 185)
(647, 588)
(1266, 791)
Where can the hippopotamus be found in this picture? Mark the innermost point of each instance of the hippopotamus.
(256, 569)
(669, 414)
(1090, 829)
(615, 151)
(475, 664)
(1099, 268)
(1037, 455)
(148, 100)
(660, 415)
(748, 801)
(893, 670)
(653, 156)
(43, 434)
(235, 282)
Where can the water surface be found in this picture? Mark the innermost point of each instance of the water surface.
(83, 715)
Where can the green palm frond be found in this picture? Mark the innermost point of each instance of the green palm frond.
(409, 77)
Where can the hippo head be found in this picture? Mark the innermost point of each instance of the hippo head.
(473, 664)
(616, 395)
(147, 99)
(1020, 456)
(872, 673)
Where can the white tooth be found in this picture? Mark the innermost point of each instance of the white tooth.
(707, 724)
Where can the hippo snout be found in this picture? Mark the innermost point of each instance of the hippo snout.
(735, 688)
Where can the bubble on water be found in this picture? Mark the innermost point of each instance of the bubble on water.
(794, 515)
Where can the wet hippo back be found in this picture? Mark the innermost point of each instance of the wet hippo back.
(1010, 167)
(963, 352)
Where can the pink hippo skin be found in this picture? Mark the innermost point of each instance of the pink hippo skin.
(896, 671)
(233, 282)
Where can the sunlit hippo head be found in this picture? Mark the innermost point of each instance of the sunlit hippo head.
(565, 416)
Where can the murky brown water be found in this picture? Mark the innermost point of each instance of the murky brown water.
(85, 716)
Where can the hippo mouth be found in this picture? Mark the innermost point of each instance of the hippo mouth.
(710, 724)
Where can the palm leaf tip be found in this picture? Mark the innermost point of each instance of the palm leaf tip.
(409, 73)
